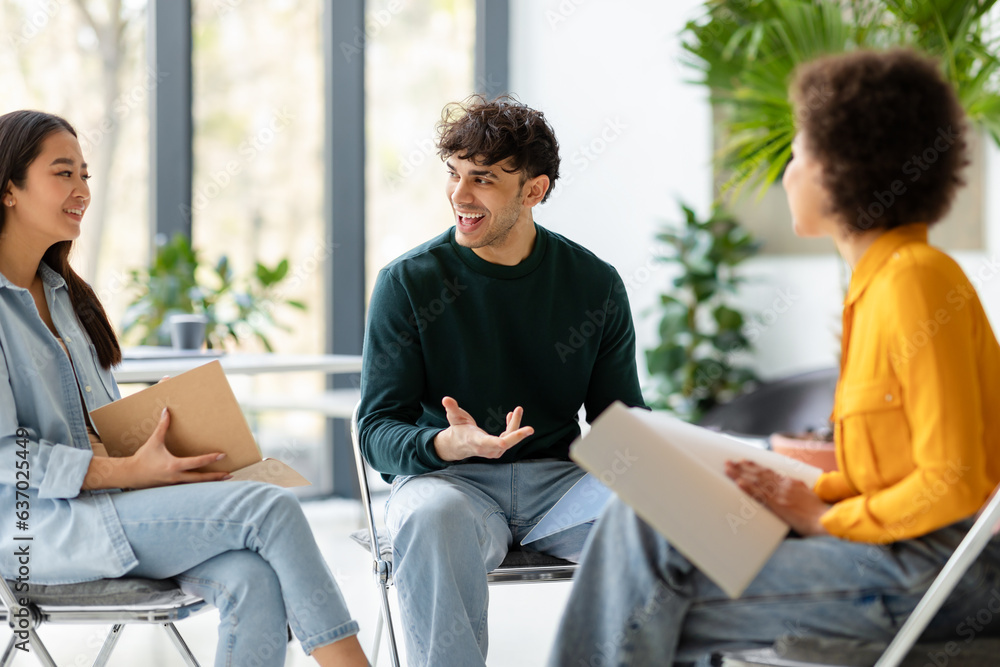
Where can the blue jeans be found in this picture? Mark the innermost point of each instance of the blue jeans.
(448, 529)
(636, 601)
(246, 548)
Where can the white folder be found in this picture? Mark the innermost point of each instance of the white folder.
(672, 474)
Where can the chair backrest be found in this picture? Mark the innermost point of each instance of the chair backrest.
(795, 403)
(985, 527)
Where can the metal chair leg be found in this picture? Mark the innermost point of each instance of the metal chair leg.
(109, 645)
(41, 653)
(377, 644)
(8, 654)
(181, 645)
(393, 652)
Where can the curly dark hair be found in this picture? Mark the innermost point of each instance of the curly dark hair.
(889, 132)
(489, 131)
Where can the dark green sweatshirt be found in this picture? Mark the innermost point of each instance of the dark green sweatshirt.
(549, 334)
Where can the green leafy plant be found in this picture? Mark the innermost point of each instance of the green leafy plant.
(178, 281)
(695, 366)
(745, 51)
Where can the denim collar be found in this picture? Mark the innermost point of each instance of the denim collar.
(50, 278)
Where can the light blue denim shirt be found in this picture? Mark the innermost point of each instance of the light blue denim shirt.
(77, 535)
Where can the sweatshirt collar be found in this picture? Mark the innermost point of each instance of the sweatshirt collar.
(519, 270)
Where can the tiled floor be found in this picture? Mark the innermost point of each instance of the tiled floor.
(522, 617)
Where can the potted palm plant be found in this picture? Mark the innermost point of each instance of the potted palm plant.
(744, 53)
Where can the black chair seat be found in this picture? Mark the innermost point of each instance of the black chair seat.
(514, 558)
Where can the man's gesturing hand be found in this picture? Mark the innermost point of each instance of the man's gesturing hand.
(463, 438)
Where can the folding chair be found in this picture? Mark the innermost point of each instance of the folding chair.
(116, 601)
(517, 567)
(898, 652)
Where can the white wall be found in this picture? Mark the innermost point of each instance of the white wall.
(635, 137)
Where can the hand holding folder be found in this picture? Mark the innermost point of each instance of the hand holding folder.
(204, 418)
(675, 480)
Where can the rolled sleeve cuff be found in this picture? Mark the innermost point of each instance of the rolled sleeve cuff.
(851, 520)
(833, 486)
(65, 471)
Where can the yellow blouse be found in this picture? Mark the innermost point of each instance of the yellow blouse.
(917, 409)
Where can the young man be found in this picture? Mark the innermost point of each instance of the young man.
(495, 321)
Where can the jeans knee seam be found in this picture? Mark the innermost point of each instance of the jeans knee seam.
(513, 490)
(413, 636)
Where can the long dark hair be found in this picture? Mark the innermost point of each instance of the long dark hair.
(21, 137)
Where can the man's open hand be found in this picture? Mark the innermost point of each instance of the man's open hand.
(463, 438)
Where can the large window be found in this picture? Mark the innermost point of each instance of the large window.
(257, 190)
(417, 60)
(258, 187)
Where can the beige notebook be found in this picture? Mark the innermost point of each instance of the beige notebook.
(204, 418)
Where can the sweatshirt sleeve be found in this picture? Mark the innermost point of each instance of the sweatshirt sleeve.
(933, 357)
(615, 376)
(55, 470)
(392, 387)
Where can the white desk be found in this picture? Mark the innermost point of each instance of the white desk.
(151, 370)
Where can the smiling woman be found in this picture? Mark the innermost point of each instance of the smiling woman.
(243, 546)
(45, 195)
(59, 175)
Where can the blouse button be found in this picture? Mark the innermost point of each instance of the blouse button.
(87, 389)
(888, 397)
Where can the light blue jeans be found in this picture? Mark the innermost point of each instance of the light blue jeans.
(246, 548)
(636, 601)
(448, 529)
